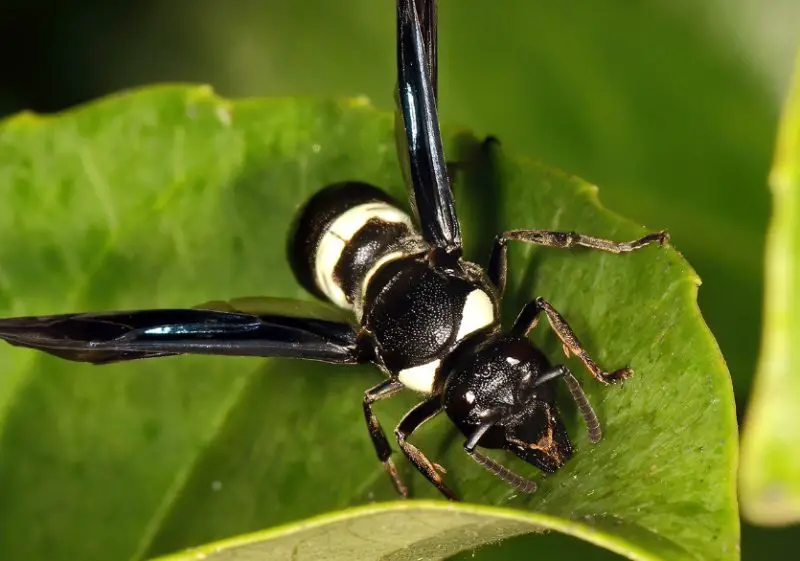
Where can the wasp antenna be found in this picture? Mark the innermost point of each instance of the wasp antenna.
(585, 408)
(518, 482)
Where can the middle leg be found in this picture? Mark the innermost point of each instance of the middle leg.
(384, 390)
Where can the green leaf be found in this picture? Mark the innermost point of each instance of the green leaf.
(429, 530)
(172, 197)
(663, 103)
(770, 477)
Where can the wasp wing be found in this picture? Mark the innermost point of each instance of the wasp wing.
(106, 337)
(426, 11)
(419, 140)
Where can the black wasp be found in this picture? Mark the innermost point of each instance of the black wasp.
(426, 317)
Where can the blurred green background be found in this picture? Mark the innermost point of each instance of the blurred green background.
(670, 106)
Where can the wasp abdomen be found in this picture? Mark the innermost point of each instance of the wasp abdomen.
(342, 235)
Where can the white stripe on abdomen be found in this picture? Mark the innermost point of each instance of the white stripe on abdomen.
(336, 237)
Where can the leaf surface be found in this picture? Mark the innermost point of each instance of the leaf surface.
(171, 197)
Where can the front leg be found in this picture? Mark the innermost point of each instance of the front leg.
(498, 261)
(384, 390)
(414, 419)
(526, 320)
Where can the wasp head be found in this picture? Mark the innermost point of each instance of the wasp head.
(495, 382)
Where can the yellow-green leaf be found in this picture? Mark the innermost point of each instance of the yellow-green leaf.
(770, 477)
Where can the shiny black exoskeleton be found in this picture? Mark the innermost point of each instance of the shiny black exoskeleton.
(425, 316)
(481, 383)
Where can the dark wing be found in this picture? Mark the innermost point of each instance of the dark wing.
(426, 11)
(419, 140)
(106, 337)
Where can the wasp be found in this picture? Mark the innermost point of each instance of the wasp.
(422, 314)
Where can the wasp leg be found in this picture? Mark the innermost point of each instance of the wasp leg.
(384, 390)
(498, 264)
(526, 320)
(573, 239)
(498, 261)
(414, 419)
